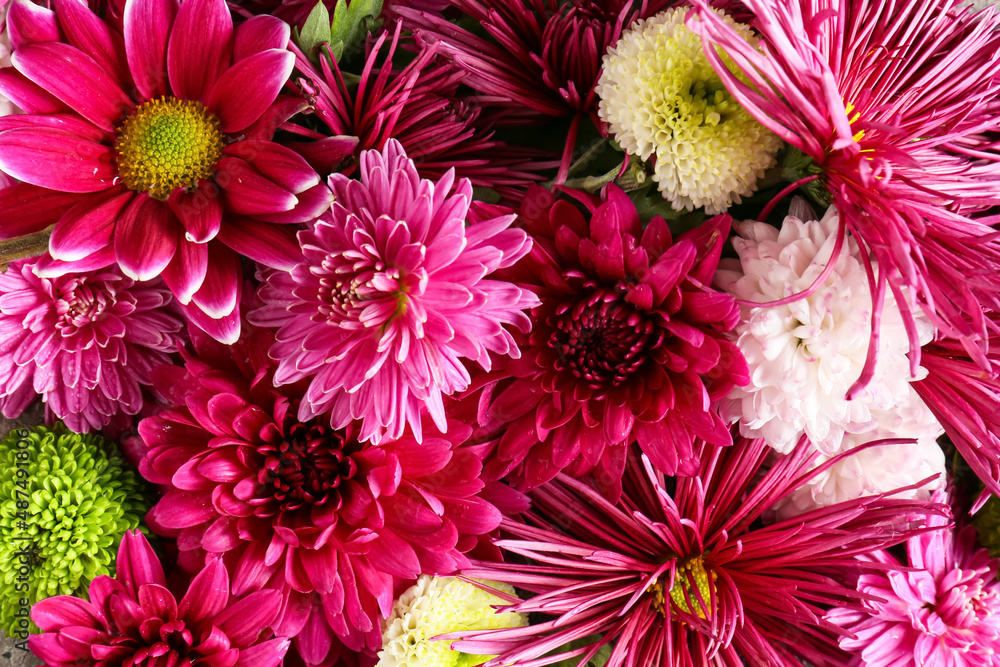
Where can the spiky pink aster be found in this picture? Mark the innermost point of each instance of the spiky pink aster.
(150, 146)
(392, 295)
(681, 572)
(943, 611)
(893, 104)
(133, 619)
(628, 343)
(300, 507)
(85, 342)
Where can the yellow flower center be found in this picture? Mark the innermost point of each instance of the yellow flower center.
(166, 144)
(858, 136)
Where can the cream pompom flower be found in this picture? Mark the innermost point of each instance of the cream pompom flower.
(804, 356)
(436, 606)
(661, 97)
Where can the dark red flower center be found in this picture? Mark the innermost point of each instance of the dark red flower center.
(160, 642)
(308, 466)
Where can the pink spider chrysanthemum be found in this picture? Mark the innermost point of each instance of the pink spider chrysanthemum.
(392, 295)
(86, 342)
(149, 145)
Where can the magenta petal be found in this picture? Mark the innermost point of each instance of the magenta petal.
(76, 79)
(26, 94)
(87, 227)
(47, 267)
(265, 654)
(199, 211)
(226, 330)
(67, 122)
(220, 292)
(312, 203)
(87, 32)
(137, 563)
(62, 611)
(208, 594)
(276, 162)
(186, 271)
(245, 620)
(260, 33)
(201, 47)
(56, 160)
(29, 208)
(147, 26)
(28, 23)
(249, 193)
(145, 238)
(248, 88)
(269, 244)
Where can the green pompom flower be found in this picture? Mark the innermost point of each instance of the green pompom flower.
(65, 502)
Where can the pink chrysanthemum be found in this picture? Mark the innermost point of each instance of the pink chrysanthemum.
(944, 611)
(150, 146)
(894, 104)
(392, 295)
(628, 343)
(680, 572)
(86, 342)
(134, 620)
(300, 507)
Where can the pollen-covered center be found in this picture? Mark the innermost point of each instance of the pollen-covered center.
(166, 144)
(691, 591)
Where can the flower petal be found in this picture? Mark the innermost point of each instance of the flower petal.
(265, 654)
(200, 212)
(208, 593)
(260, 33)
(269, 244)
(248, 88)
(76, 79)
(281, 165)
(47, 267)
(147, 26)
(226, 330)
(249, 193)
(186, 271)
(311, 204)
(29, 208)
(201, 47)
(67, 122)
(220, 291)
(28, 23)
(26, 94)
(145, 238)
(87, 32)
(56, 160)
(137, 563)
(87, 227)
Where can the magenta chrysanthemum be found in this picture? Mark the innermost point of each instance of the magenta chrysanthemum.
(944, 611)
(134, 620)
(680, 572)
(86, 342)
(392, 295)
(300, 507)
(627, 343)
(150, 146)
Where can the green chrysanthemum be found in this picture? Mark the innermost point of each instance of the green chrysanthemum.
(65, 501)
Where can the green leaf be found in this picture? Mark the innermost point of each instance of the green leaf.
(352, 22)
(315, 31)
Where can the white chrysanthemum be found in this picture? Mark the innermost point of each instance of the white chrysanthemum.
(661, 97)
(804, 356)
(879, 468)
(436, 606)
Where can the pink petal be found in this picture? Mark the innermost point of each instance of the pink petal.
(74, 77)
(199, 211)
(26, 94)
(62, 611)
(201, 47)
(147, 26)
(260, 33)
(145, 238)
(67, 122)
(248, 88)
(312, 203)
(137, 563)
(226, 330)
(30, 208)
(220, 291)
(186, 271)
(28, 23)
(279, 164)
(207, 595)
(87, 227)
(246, 619)
(47, 267)
(265, 654)
(93, 36)
(249, 193)
(56, 160)
(271, 245)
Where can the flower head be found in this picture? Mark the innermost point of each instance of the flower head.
(662, 99)
(134, 620)
(435, 606)
(303, 508)
(162, 162)
(943, 611)
(85, 341)
(391, 295)
(628, 343)
(65, 502)
(680, 572)
(806, 354)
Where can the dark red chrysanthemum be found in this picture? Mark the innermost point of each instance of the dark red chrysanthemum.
(628, 343)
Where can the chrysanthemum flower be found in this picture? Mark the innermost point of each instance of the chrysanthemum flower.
(134, 620)
(945, 611)
(65, 502)
(85, 342)
(662, 99)
(805, 355)
(300, 507)
(893, 103)
(150, 147)
(686, 576)
(627, 343)
(435, 606)
(391, 296)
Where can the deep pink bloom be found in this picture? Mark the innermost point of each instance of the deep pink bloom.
(133, 619)
(629, 342)
(150, 146)
(86, 342)
(894, 105)
(680, 572)
(300, 507)
(392, 295)
(946, 611)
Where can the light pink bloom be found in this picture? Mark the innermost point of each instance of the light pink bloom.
(392, 295)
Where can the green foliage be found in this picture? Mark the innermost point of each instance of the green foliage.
(344, 32)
